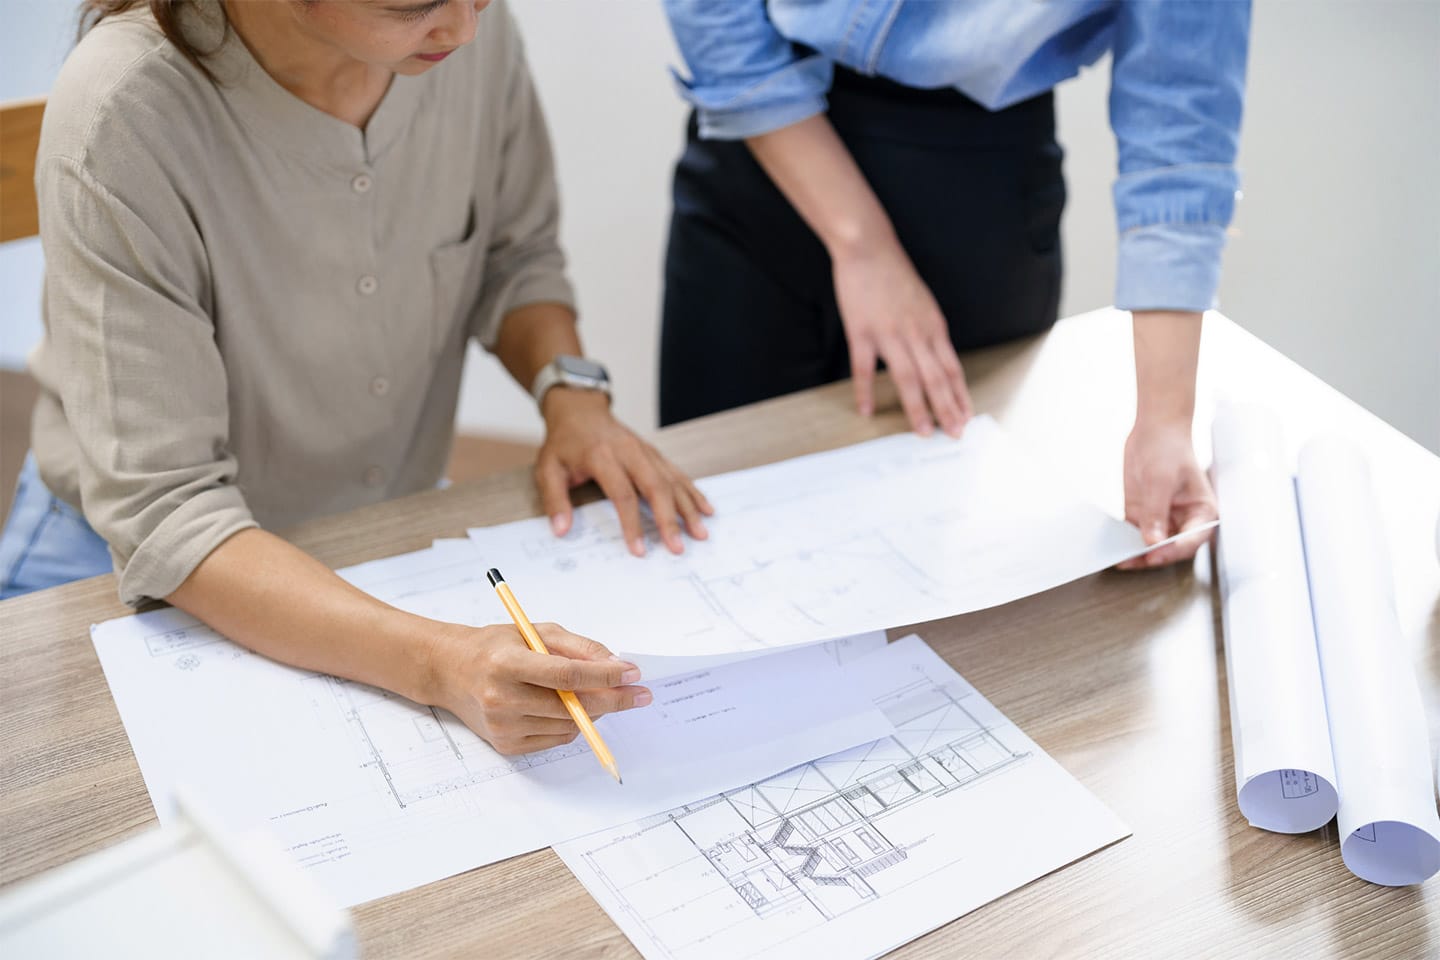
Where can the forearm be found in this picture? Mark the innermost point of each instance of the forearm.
(533, 335)
(1167, 353)
(275, 599)
(810, 164)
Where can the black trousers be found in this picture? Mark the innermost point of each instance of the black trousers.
(749, 309)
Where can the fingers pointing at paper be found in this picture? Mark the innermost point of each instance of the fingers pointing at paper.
(506, 693)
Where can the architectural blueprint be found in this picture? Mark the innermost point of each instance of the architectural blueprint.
(855, 853)
(378, 794)
(893, 531)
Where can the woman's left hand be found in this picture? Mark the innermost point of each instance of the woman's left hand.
(584, 441)
(1166, 492)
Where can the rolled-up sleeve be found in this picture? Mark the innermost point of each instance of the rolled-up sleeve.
(524, 262)
(746, 78)
(142, 381)
(1176, 98)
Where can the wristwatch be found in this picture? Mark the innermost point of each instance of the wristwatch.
(568, 371)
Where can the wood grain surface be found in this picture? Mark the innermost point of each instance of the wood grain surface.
(1121, 677)
(19, 142)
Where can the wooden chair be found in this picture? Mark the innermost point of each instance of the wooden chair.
(19, 142)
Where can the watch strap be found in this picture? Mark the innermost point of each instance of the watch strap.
(554, 375)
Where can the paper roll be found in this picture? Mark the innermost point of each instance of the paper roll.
(1389, 829)
(1284, 772)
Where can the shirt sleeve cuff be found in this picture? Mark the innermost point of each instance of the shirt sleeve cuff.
(536, 283)
(1169, 267)
(736, 110)
(175, 548)
(739, 124)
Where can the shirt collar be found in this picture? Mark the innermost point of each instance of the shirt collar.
(283, 118)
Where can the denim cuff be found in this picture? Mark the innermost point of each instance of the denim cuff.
(739, 124)
(1169, 267)
(736, 110)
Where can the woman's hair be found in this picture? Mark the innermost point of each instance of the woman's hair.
(167, 16)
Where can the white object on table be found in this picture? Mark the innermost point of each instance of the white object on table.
(1389, 829)
(892, 531)
(852, 854)
(190, 889)
(375, 794)
(1284, 767)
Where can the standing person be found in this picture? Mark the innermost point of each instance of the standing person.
(880, 181)
(270, 230)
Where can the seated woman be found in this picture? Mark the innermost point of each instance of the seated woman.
(270, 230)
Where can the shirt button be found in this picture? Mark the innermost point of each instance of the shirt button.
(367, 285)
(362, 183)
(379, 386)
(373, 476)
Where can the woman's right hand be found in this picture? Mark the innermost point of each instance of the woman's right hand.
(505, 692)
(890, 314)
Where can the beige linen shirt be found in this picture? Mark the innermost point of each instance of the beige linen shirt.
(256, 313)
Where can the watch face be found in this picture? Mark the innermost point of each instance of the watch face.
(582, 369)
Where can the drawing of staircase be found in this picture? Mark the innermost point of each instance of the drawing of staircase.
(895, 856)
(831, 881)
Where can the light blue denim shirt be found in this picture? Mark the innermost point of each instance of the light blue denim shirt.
(1176, 91)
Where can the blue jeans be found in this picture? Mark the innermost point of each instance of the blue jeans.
(46, 542)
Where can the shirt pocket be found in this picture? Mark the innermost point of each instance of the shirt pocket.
(456, 273)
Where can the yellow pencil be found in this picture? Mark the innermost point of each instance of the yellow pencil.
(567, 697)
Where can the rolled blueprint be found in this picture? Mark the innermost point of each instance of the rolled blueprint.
(1389, 830)
(1284, 772)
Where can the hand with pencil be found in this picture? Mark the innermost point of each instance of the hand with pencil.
(507, 693)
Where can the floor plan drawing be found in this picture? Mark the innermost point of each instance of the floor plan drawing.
(845, 541)
(419, 751)
(817, 833)
(808, 856)
(846, 579)
(374, 794)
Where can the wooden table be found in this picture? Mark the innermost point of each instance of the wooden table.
(1119, 676)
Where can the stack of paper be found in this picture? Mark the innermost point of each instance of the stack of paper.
(376, 794)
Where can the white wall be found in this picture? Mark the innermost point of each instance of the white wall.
(618, 126)
(34, 37)
(1335, 253)
(1336, 258)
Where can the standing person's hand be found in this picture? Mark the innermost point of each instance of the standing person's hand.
(584, 441)
(1166, 492)
(889, 314)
